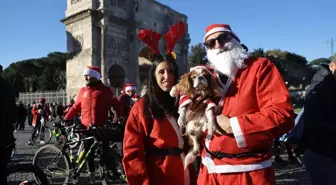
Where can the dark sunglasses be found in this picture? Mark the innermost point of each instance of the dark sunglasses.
(222, 39)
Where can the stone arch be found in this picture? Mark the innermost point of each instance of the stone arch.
(144, 65)
(116, 77)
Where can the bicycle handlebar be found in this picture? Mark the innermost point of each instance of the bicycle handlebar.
(91, 129)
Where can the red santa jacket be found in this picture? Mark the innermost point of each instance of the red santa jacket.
(259, 106)
(94, 102)
(144, 169)
(126, 104)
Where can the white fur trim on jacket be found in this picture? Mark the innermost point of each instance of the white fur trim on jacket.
(237, 132)
(92, 73)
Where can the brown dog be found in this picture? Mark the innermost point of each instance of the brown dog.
(198, 82)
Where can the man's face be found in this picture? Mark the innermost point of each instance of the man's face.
(130, 93)
(225, 53)
(217, 40)
(89, 80)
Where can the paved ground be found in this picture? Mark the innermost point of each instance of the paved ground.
(286, 173)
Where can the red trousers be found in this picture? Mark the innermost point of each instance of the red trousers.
(259, 177)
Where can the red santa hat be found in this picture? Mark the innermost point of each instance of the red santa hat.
(213, 28)
(200, 67)
(92, 71)
(128, 87)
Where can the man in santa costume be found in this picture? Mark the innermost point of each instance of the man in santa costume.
(127, 98)
(94, 101)
(255, 108)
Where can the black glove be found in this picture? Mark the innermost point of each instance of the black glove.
(67, 122)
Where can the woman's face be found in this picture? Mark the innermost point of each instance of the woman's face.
(164, 76)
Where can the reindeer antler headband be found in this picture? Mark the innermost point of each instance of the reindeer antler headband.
(151, 39)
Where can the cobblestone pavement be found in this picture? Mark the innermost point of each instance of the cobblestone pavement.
(286, 173)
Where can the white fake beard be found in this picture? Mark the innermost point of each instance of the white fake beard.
(229, 61)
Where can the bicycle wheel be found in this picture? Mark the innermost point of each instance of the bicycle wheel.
(40, 177)
(36, 136)
(55, 164)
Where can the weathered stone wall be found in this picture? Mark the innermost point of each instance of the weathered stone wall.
(104, 33)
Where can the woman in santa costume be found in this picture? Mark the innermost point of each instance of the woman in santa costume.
(153, 146)
(255, 108)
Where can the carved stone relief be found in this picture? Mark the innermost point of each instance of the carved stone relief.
(136, 5)
(112, 19)
(117, 49)
(118, 3)
(117, 31)
(75, 1)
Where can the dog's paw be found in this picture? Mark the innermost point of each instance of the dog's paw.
(190, 158)
(181, 121)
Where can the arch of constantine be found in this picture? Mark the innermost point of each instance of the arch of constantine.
(104, 33)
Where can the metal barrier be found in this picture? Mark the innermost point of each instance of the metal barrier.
(50, 96)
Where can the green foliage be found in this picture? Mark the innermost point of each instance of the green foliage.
(258, 52)
(319, 61)
(196, 55)
(46, 73)
(332, 58)
(285, 55)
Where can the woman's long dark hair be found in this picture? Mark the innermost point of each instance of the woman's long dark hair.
(157, 102)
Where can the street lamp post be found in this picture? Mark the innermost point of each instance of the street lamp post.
(330, 43)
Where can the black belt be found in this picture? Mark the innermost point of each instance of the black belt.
(176, 151)
(221, 155)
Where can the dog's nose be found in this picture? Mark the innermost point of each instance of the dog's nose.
(200, 77)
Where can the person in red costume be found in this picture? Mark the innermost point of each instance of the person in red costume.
(255, 108)
(153, 146)
(126, 98)
(41, 113)
(94, 101)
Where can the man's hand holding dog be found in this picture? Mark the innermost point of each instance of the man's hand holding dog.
(223, 125)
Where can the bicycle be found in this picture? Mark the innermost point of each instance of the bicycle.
(73, 167)
(64, 133)
(43, 133)
(39, 176)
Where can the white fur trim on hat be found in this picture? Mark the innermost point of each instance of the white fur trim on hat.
(196, 68)
(217, 29)
(130, 88)
(92, 73)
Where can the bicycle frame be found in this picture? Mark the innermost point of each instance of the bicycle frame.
(72, 166)
(88, 153)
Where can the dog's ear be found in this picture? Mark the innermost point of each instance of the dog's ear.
(184, 84)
